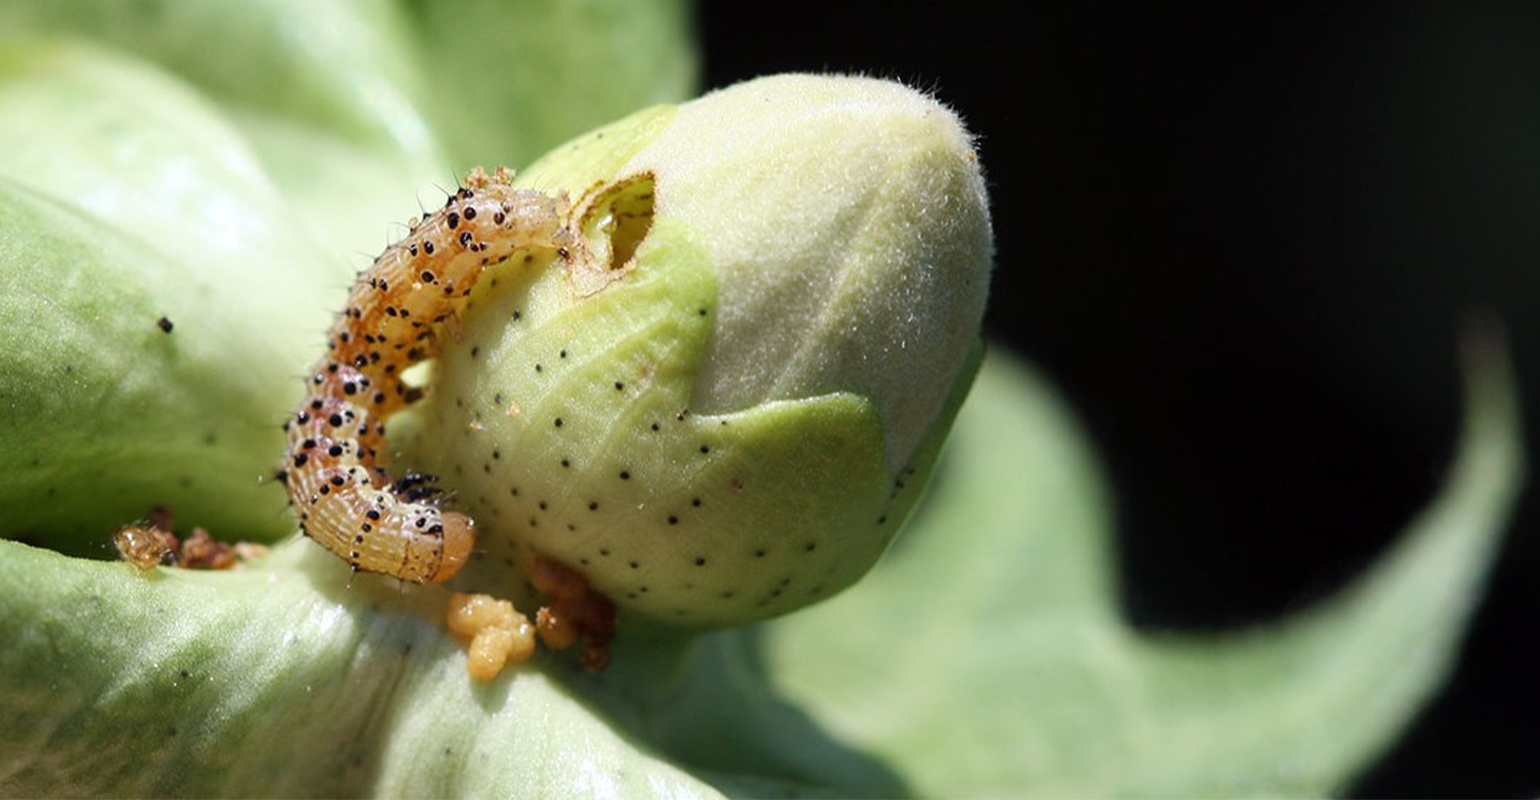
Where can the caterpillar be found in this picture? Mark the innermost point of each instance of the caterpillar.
(397, 315)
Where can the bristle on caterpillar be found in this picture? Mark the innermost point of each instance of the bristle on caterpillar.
(396, 316)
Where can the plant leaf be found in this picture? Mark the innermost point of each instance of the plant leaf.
(142, 204)
(529, 75)
(985, 656)
(279, 679)
(355, 106)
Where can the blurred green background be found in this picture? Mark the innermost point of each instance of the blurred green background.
(1244, 240)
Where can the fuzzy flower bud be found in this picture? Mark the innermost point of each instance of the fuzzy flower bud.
(722, 406)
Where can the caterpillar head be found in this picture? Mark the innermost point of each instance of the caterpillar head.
(459, 540)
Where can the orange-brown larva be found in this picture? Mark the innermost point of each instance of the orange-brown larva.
(396, 316)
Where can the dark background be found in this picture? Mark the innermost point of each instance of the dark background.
(1243, 240)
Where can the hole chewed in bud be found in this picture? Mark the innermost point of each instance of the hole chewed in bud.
(615, 221)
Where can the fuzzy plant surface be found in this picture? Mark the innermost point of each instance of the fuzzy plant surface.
(226, 168)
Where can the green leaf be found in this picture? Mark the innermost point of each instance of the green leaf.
(355, 106)
(986, 656)
(143, 204)
(528, 75)
(281, 679)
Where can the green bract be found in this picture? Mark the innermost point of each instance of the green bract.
(227, 165)
(726, 406)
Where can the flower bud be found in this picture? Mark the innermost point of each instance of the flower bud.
(722, 404)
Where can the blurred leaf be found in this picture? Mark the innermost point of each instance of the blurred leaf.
(511, 79)
(355, 106)
(986, 657)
